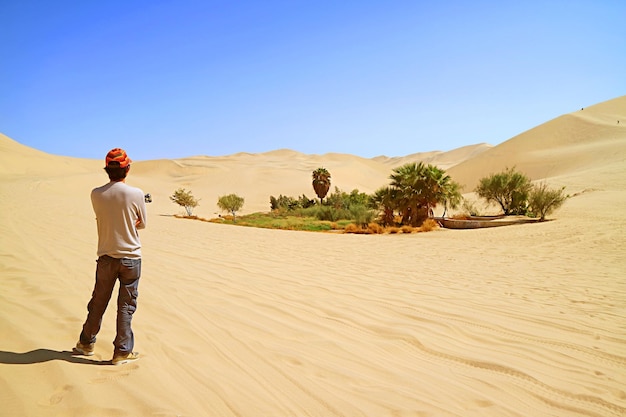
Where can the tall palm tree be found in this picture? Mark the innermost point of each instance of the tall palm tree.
(321, 182)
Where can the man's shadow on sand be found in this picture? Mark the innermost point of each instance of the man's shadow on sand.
(46, 355)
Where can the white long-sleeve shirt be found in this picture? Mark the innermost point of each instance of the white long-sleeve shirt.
(120, 211)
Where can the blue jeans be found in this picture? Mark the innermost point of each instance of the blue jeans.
(108, 271)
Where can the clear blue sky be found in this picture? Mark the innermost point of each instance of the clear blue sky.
(168, 79)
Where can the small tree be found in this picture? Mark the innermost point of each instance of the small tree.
(321, 182)
(231, 203)
(509, 189)
(544, 201)
(186, 199)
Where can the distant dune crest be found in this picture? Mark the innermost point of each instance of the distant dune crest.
(585, 139)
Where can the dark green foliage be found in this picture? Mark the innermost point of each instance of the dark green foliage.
(385, 199)
(331, 214)
(290, 203)
(283, 202)
(305, 202)
(419, 188)
(342, 200)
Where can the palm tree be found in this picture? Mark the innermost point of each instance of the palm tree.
(441, 189)
(321, 182)
(384, 199)
(420, 188)
(451, 196)
(408, 180)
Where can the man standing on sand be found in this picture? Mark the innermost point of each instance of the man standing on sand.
(120, 211)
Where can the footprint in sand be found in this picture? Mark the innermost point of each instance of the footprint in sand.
(58, 395)
(114, 374)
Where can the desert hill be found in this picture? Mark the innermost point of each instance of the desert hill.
(588, 139)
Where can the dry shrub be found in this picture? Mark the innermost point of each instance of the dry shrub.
(372, 228)
(375, 228)
(393, 230)
(353, 228)
(428, 225)
(407, 229)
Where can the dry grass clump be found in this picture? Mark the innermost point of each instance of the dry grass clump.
(428, 225)
(353, 228)
(371, 229)
(375, 228)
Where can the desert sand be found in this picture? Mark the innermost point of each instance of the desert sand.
(526, 320)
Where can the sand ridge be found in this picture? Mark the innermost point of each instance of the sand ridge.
(515, 321)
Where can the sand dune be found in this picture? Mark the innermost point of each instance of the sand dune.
(585, 139)
(515, 321)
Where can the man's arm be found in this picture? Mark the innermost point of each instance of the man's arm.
(142, 214)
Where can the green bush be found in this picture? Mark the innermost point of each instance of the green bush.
(231, 203)
(284, 202)
(361, 215)
(331, 214)
(509, 189)
(543, 201)
(185, 199)
(343, 200)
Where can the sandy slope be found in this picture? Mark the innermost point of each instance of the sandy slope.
(514, 321)
(588, 138)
